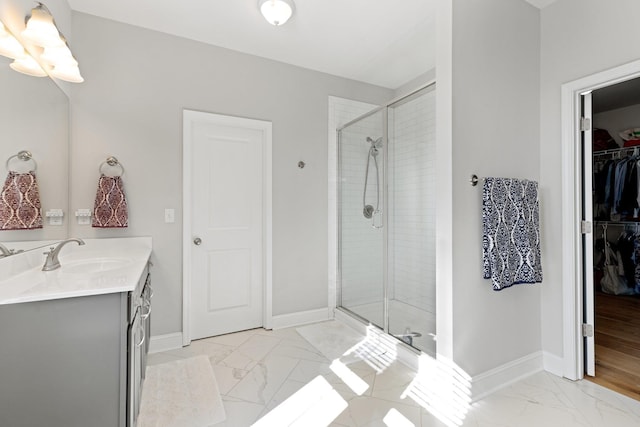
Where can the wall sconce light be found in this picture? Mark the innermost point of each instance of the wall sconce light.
(41, 30)
(276, 12)
(9, 46)
(27, 65)
(23, 62)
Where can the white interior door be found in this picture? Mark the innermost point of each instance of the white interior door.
(587, 216)
(225, 230)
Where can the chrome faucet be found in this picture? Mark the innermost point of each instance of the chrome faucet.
(52, 262)
(4, 251)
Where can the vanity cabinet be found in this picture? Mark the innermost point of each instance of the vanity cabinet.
(70, 362)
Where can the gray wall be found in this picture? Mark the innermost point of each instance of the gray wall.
(495, 117)
(579, 38)
(130, 106)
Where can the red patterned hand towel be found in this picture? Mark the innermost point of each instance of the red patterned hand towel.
(20, 202)
(111, 205)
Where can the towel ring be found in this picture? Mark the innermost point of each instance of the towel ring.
(113, 162)
(25, 156)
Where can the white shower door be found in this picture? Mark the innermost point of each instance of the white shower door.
(225, 230)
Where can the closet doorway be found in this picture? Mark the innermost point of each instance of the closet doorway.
(611, 204)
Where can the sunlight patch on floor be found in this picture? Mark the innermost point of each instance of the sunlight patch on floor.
(377, 349)
(442, 388)
(395, 419)
(350, 378)
(439, 386)
(315, 404)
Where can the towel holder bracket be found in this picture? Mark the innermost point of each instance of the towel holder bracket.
(25, 156)
(113, 162)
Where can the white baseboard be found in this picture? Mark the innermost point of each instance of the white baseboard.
(165, 342)
(173, 341)
(301, 318)
(553, 364)
(486, 383)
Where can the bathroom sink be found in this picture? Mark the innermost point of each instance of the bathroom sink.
(94, 265)
(101, 266)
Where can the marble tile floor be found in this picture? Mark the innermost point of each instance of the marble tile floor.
(276, 379)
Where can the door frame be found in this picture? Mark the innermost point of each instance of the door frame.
(189, 118)
(572, 254)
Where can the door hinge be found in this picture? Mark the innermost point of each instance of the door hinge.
(586, 227)
(585, 124)
(587, 330)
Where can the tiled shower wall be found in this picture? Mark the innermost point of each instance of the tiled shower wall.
(412, 137)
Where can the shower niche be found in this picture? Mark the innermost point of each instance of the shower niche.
(386, 219)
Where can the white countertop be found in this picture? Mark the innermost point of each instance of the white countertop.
(101, 266)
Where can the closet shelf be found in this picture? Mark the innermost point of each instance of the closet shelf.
(615, 150)
(598, 221)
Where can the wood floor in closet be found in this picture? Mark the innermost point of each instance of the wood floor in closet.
(617, 334)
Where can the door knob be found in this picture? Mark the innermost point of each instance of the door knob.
(197, 241)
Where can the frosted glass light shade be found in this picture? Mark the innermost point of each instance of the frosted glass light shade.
(67, 71)
(27, 65)
(53, 55)
(276, 12)
(41, 29)
(9, 46)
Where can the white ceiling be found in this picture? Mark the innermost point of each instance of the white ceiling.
(382, 42)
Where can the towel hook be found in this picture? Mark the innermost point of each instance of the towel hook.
(25, 156)
(113, 162)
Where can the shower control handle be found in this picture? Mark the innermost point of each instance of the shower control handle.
(197, 241)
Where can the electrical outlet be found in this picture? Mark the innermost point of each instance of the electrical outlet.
(169, 216)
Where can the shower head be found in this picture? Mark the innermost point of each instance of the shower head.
(375, 143)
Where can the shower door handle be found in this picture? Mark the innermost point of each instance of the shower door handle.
(197, 241)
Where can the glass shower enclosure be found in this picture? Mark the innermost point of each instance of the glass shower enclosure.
(386, 219)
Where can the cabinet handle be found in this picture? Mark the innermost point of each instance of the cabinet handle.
(143, 337)
(197, 241)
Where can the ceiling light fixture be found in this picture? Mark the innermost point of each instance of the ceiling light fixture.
(276, 12)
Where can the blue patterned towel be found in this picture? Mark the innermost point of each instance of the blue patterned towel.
(511, 232)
